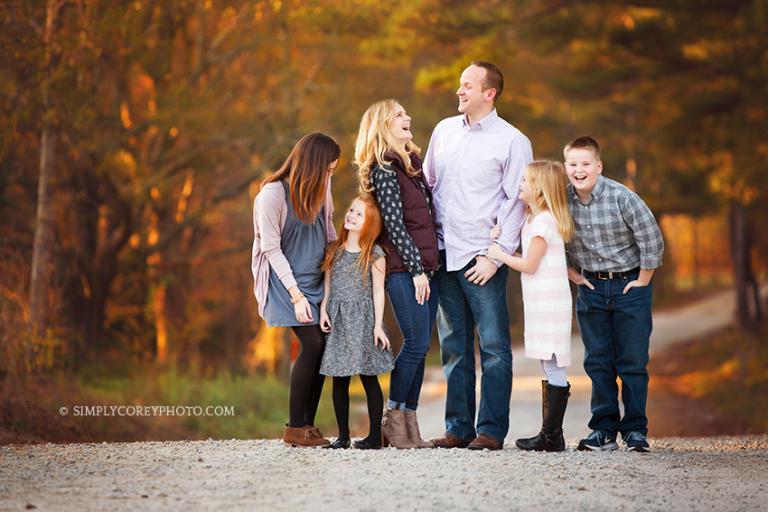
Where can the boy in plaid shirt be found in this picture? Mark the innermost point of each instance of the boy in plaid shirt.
(616, 248)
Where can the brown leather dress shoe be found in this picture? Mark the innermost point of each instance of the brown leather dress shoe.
(484, 442)
(450, 441)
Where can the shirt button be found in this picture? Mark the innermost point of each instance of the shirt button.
(589, 226)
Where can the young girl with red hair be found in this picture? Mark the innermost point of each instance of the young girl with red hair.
(351, 313)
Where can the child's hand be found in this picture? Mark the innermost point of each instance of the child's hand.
(495, 232)
(379, 336)
(325, 321)
(578, 279)
(495, 252)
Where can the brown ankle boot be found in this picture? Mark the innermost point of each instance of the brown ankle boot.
(412, 426)
(304, 436)
(393, 430)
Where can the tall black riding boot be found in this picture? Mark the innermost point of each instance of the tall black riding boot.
(554, 400)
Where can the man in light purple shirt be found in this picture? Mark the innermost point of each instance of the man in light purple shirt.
(474, 164)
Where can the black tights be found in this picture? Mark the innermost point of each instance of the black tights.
(306, 381)
(375, 405)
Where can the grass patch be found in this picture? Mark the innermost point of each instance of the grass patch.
(29, 409)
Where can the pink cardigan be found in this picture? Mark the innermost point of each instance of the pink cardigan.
(269, 212)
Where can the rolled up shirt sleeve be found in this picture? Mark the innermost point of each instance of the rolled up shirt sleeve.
(646, 231)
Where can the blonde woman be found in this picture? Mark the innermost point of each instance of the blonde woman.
(546, 294)
(390, 169)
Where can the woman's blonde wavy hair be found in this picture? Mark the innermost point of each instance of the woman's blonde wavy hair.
(548, 187)
(374, 139)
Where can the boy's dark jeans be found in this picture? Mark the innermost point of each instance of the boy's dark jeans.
(616, 329)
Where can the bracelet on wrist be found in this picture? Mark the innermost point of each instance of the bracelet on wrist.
(295, 300)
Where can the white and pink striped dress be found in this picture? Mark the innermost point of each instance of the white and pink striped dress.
(546, 295)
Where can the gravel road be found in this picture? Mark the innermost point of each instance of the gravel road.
(669, 327)
(717, 474)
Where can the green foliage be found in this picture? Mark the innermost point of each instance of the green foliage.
(169, 113)
(260, 402)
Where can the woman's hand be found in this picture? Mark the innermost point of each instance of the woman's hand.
(495, 232)
(303, 311)
(380, 336)
(325, 320)
(421, 283)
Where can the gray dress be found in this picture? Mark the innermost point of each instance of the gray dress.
(304, 247)
(349, 349)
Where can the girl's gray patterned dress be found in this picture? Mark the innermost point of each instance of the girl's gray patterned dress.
(349, 348)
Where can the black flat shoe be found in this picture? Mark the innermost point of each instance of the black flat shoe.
(339, 443)
(366, 444)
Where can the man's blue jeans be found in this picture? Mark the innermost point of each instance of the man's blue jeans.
(416, 322)
(465, 306)
(616, 329)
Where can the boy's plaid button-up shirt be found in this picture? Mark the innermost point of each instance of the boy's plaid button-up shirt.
(615, 231)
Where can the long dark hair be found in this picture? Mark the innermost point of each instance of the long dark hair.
(307, 171)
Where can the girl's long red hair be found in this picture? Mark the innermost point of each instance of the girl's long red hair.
(370, 232)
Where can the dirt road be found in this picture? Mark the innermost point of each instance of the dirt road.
(669, 327)
(708, 474)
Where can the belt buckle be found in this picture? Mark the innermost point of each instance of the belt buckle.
(601, 276)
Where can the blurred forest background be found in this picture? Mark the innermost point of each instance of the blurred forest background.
(134, 135)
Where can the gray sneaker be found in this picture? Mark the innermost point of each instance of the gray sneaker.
(636, 442)
(598, 440)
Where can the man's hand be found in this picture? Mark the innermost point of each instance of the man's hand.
(482, 272)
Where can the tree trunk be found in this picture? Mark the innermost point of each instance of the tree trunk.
(42, 251)
(93, 322)
(756, 312)
(160, 308)
(742, 265)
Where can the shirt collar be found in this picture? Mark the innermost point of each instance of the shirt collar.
(482, 124)
(599, 187)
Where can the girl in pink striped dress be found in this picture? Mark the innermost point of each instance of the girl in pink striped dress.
(546, 292)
